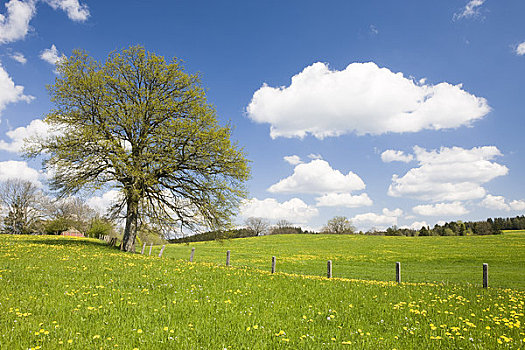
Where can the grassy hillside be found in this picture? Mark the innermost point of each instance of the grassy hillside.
(58, 292)
(423, 259)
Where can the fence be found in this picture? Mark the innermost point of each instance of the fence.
(273, 268)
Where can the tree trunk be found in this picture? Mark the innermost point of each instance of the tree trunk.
(130, 232)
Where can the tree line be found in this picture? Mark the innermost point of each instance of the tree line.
(28, 210)
(491, 226)
(341, 225)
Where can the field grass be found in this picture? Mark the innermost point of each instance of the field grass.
(58, 292)
(423, 259)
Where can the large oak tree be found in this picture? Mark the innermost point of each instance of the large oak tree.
(143, 125)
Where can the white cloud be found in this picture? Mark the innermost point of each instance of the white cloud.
(37, 127)
(471, 9)
(395, 212)
(449, 174)
(363, 99)
(441, 209)
(500, 203)
(102, 203)
(377, 221)
(51, 55)
(416, 225)
(318, 177)
(9, 92)
(294, 160)
(75, 10)
(344, 200)
(517, 205)
(19, 57)
(520, 49)
(391, 155)
(15, 24)
(373, 29)
(294, 210)
(315, 156)
(494, 202)
(13, 169)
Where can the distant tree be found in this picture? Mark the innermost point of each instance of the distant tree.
(339, 225)
(66, 213)
(285, 227)
(258, 226)
(22, 200)
(101, 227)
(144, 126)
(58, 225)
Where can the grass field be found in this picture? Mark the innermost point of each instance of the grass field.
(58, 292)
(423, 259)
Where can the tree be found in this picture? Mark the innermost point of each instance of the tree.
(100, 227)
(339, 225)
(21, 200)
(66, 213)
(142, 125)
(258, 226)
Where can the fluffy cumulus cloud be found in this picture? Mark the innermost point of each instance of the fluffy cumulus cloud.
(102, 203)
(377, 221)
(449, 174)
(318, 177)
(294, 159)
(500, 203)
(14, 24)
(75, 10)
(37, 128)
(416, 225)
(51, 55)
(361, 99)
(9, 92)
(441, 209)
(471, 9)
(520, 49)
(391, 155)
(344, 200)
(294, 210)
(19, 57)
(13, 169)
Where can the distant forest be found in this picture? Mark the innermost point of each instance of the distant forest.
(453, 228)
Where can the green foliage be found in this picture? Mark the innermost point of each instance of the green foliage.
(144, 125)
(150, 303)
(59, 225)
(101, 227)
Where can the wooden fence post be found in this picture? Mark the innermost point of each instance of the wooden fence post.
(228, 258)
(143, 247)
(150, 247)
(162, 250)
(192, 254)
(329, 269)
(485, 275)
(273, 264)
(398, 272)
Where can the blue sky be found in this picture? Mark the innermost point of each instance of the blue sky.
(384, 112)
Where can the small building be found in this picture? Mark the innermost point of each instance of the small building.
(73, 232)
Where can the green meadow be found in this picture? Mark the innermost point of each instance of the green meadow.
(457, 260)
(58, 292)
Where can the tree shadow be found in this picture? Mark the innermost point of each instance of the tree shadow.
(70, 242)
